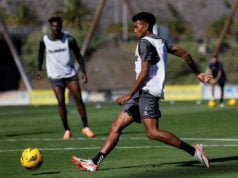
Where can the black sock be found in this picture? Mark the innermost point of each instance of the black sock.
(98, 158)
(65, 123)
(85, 121)
(221, 100)
(188, 148)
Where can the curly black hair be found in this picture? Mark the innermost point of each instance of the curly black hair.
(55, 19)
(147, 17)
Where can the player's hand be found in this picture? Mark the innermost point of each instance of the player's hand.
(121, 100)
(84, 78)
(204, 77)
(38, 75)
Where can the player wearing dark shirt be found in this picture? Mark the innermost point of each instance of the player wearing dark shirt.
(219, 77)
(62, 73)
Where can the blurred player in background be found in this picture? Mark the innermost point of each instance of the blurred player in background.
(62, 73)
(141, 104)
(219, 77)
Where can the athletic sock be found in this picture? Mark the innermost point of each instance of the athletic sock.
(188, 148)
(221, 100)
(85, 121)
(98, 158)
(65, 123)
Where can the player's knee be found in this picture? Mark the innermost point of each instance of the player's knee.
(78, 100)
(151, 135)
(115, 127)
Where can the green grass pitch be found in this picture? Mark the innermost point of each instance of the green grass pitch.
(134, 157)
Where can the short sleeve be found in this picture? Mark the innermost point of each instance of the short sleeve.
(72, 42)
(220, 66)
(146, 50)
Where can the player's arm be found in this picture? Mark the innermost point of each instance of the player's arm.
(74, 47)
(137, 85)
(145, 54)
(180, 52)
(41, 52)
(145, 66)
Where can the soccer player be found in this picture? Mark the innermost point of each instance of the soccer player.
(219, 77)
(62, 72)
(141, 103)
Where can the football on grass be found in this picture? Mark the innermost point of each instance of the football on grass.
(211, 104)
(31, 158)
(232, 102)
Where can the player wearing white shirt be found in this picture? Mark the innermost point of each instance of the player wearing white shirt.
(59, 63)
(154, 83)
(62, 73)
(141, 103)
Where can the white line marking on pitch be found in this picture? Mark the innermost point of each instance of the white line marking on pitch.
(119, 147)
(103, 138)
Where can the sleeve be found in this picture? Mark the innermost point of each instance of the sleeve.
(41, 54)
(145, 50)
(220, 66)
(167, 45)
(74, 47)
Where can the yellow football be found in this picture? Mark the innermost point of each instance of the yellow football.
(232, 102)
(211, 104)
(31, 158)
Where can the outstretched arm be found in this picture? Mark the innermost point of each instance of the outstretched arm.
(180, 52)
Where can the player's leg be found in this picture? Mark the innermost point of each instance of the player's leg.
(75, 90)
(122, 121)
(59, 94)
(222, 85)
(154, 133)
(150, 114)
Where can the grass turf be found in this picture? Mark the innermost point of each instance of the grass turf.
(134, 156)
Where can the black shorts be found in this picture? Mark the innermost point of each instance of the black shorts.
(142, 105)
(62, 82)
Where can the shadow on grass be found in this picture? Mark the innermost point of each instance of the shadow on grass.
(224, 159)
(195, 169)
(46, 173)
(213, 160)
(181, 164)
(23, 134)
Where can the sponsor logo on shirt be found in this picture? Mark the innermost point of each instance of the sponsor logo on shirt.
(57, 50)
